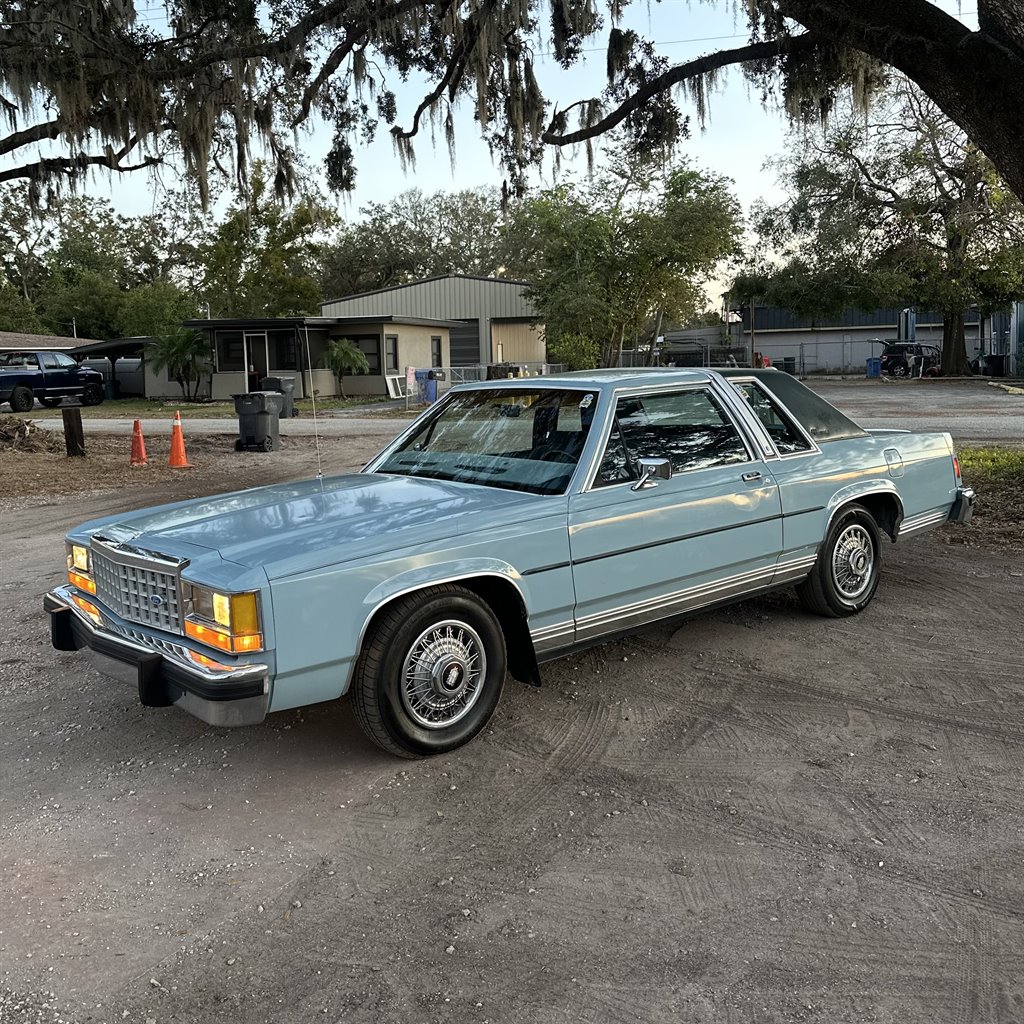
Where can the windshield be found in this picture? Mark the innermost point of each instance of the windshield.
(523, 440)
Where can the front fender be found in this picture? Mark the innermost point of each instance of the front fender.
(434, 575)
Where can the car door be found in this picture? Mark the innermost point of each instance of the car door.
(711, 532)
(55, 376)
(70, 372)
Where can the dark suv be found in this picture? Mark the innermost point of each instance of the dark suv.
(900, 359)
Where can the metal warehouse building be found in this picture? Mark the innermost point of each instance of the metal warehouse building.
(498, 319)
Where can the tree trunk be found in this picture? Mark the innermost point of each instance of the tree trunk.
(954, 347)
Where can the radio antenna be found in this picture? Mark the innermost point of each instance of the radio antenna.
(316, 426)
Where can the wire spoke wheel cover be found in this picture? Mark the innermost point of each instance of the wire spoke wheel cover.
(443, 673)
(853, 559)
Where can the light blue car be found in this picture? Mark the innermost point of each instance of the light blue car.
(513, 522)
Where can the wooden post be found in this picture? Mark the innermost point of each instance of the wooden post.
(752, 339)
(74, 436)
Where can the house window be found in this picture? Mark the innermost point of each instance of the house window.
(391, 352)
(435, 351)
(369, 345)
(283, 355)
(230, 351)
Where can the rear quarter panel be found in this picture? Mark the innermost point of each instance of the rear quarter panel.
(919, 470)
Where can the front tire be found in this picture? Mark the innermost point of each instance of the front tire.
(845, 577)
(92, 394)
(22, 399)
(430, 673)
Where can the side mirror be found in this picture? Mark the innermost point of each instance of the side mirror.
(651, 471)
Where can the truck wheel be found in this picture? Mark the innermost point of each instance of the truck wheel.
(92, 394)
(21, 399)
(845, 577)
(430, 673)
(51, 403)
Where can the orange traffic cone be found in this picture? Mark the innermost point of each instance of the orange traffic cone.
(138, 445)
(178, 458)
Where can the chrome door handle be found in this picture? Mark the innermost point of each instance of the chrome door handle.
(755, 475)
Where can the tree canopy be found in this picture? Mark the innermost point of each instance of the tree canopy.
(611, 257)
(899, 209)
(95, 84)
(416, 235)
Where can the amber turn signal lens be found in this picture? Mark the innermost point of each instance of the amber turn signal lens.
(81, 581)
(221, 640)
(202, 659)
(89, 608)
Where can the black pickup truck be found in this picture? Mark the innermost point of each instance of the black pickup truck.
(49, 376)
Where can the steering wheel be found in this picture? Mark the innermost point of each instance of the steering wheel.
(556, 455)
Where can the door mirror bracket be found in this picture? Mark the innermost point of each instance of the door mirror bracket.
(651, 471)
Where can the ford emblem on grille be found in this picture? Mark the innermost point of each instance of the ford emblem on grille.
(156, 600)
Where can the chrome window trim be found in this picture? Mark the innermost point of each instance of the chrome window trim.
(794, 422)
(705, 385)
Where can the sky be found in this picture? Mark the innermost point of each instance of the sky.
(741, 135)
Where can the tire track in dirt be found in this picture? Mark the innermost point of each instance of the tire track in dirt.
(842, 699)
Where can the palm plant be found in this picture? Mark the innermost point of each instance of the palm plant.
(185, 355)
(342, 357)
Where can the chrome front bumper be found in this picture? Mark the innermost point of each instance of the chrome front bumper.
(163, 676)
(963, 507)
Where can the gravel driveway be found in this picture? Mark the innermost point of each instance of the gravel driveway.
(752, 816)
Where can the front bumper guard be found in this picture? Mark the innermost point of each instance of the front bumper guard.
(963, 506)
(239, 697)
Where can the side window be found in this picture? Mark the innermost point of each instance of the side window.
(788, 440)
(689, 428)
(391, 352)
(49, 360)
(66, 361)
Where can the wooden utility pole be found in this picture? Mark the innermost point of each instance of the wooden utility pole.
(751, 330)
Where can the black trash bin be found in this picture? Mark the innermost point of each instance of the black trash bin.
(789, 365)
(258, 421)
(285, 386)
(995, 364)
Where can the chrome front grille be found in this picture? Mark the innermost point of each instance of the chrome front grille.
(137, 588)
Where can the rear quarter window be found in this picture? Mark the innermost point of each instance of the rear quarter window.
(822, 421)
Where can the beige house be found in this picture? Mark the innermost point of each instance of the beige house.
(245, 351)
(495, 322)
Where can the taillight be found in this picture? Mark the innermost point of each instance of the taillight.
(956, 468)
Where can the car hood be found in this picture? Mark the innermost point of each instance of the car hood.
(288, 528)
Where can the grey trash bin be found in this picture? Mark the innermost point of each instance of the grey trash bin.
(286, 387)
(258, 421)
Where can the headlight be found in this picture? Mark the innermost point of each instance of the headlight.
(229, 622)
(80, 568)
(79, 557)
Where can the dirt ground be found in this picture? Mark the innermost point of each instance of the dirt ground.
(755, 815)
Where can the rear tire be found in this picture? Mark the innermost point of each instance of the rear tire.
(845, 577)
(430, 673)
(22, 399)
